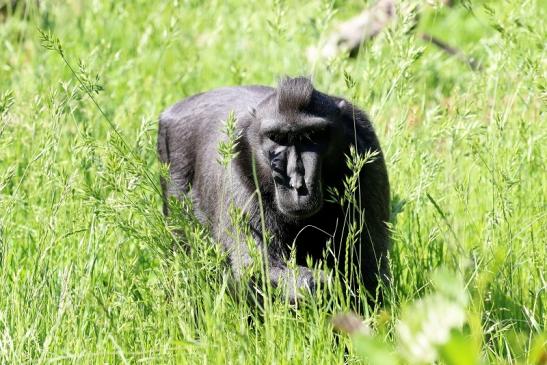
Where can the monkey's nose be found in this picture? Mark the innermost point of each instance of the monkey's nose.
(297, 183)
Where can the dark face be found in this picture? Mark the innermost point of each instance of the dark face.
(294, 150)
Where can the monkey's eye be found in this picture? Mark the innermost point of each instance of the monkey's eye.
(279, 138)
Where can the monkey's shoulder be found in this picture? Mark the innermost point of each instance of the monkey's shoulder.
(216, 103)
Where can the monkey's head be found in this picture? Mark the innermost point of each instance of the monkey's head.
(295, 131)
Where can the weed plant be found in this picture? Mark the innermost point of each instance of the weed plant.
(89, 270)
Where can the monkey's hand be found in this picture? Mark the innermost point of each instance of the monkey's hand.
(295, 283)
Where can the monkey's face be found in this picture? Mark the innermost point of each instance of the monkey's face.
(294, 151)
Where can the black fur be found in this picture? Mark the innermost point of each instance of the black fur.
(188, 139)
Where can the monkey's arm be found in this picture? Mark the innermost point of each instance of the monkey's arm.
(374, 200)
(250, 260)
(374, 240)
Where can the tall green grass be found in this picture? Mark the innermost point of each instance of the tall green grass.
(86, 268)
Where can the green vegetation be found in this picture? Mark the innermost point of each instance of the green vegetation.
(86, 272)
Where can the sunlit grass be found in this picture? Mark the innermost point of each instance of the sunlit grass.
(87, 271)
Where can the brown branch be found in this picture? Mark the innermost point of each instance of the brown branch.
(471, 62)
(351, 34)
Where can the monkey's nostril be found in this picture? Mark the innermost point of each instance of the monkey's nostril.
(302, 190)
(278, 180)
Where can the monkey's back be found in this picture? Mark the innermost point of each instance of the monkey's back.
(201, 114)
(188, 138)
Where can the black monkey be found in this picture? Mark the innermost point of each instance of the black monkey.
(297, 138)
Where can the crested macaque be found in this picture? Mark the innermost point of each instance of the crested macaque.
(293, 140)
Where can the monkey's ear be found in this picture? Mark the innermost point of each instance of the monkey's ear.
(252, 111)
(341, 105)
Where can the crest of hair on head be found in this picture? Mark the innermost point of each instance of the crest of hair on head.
(294, 94)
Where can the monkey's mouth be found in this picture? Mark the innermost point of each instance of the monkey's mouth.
(300, 207)
(301, 213)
